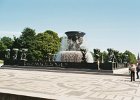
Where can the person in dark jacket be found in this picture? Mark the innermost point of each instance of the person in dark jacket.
(138, 69)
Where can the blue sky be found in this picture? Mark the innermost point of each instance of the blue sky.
(107, 23)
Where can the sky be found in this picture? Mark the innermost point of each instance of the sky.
(107, 23)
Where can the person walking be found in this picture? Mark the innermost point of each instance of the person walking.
(132, 69)
(138, 70)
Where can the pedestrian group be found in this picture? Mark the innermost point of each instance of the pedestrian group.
(134, 69)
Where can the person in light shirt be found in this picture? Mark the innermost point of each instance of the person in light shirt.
(132, 69)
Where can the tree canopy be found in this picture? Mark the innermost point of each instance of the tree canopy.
(41, 45)
(38, 45)
(131, 57)
(47, 42)
(7, 41)
(2, 46)
(119, 57)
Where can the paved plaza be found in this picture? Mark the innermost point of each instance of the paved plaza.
(69, 86)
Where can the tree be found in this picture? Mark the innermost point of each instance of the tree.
(38, 45)
(2, 46)
(120, 57)
(131, 57)
(2, 49)
(17, 43)
(28, 32)
(55, 41)
(8, 42)
(26, 40)
(47, 42)
(97, 55)
(28, 37)
(105, 56)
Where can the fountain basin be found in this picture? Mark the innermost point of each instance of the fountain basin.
(73, 56)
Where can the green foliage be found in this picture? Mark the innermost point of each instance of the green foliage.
(131, 57)
(38, 45)
(97, 54)
(17, 43)
(34, 55)
(28, 33)
(47, 42)
(120, 57)
(61, 39)
(105, 56)
(2, 46)
(27, 40)
(7, 41)
(42, 44)
(2, 49)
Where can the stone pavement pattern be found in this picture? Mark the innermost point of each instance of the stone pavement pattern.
(70, 86)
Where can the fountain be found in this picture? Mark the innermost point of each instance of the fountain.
(71, 55)
(71, 50)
